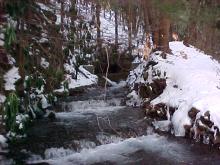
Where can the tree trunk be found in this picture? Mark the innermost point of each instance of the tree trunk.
(164, 34)
(98, 24)
(116, 28)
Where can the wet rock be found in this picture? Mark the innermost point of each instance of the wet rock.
(51, 116)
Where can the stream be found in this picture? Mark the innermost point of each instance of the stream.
(89, 130)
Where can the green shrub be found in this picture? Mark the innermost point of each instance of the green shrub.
(10, 36)
(11, 108)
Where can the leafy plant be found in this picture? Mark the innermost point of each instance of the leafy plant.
(10, 36)
(39, 82)
(16, 8)
(11, 108)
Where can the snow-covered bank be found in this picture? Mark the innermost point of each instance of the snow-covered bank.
(74, 79)
(192, 86)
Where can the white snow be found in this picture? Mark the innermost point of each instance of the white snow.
(11, 60)
(3, 142)
(44, 63)
(10, 78)
(82, 80)
(2, 39)
(85, 79)
(2, 98)
(197, 80)
(133, 99)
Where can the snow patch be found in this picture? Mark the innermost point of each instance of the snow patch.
(2, 98)
(3, 142)
(10, 78)
(44, 63)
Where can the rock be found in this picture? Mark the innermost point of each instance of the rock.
(145, 75)
(206, 122)
(193, 112)
(158, 111)
(145, 91)
(188, 130)
(158, 86)
(51, 116)
(175, 86)
(164, 55)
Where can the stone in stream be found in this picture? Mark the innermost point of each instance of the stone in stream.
(51, 116)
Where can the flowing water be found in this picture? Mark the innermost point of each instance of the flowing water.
(89, 130)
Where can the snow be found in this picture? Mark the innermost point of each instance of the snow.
(11, 60)
(2, 98)
(133, 99)
(1, 39)
(44, 63)
(10, 78)
(82, 80)
(197, 80)
(3, 142)
(44, 102)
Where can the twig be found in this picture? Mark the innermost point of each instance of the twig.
(106, 75)
(109, 123)
(97, 118)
